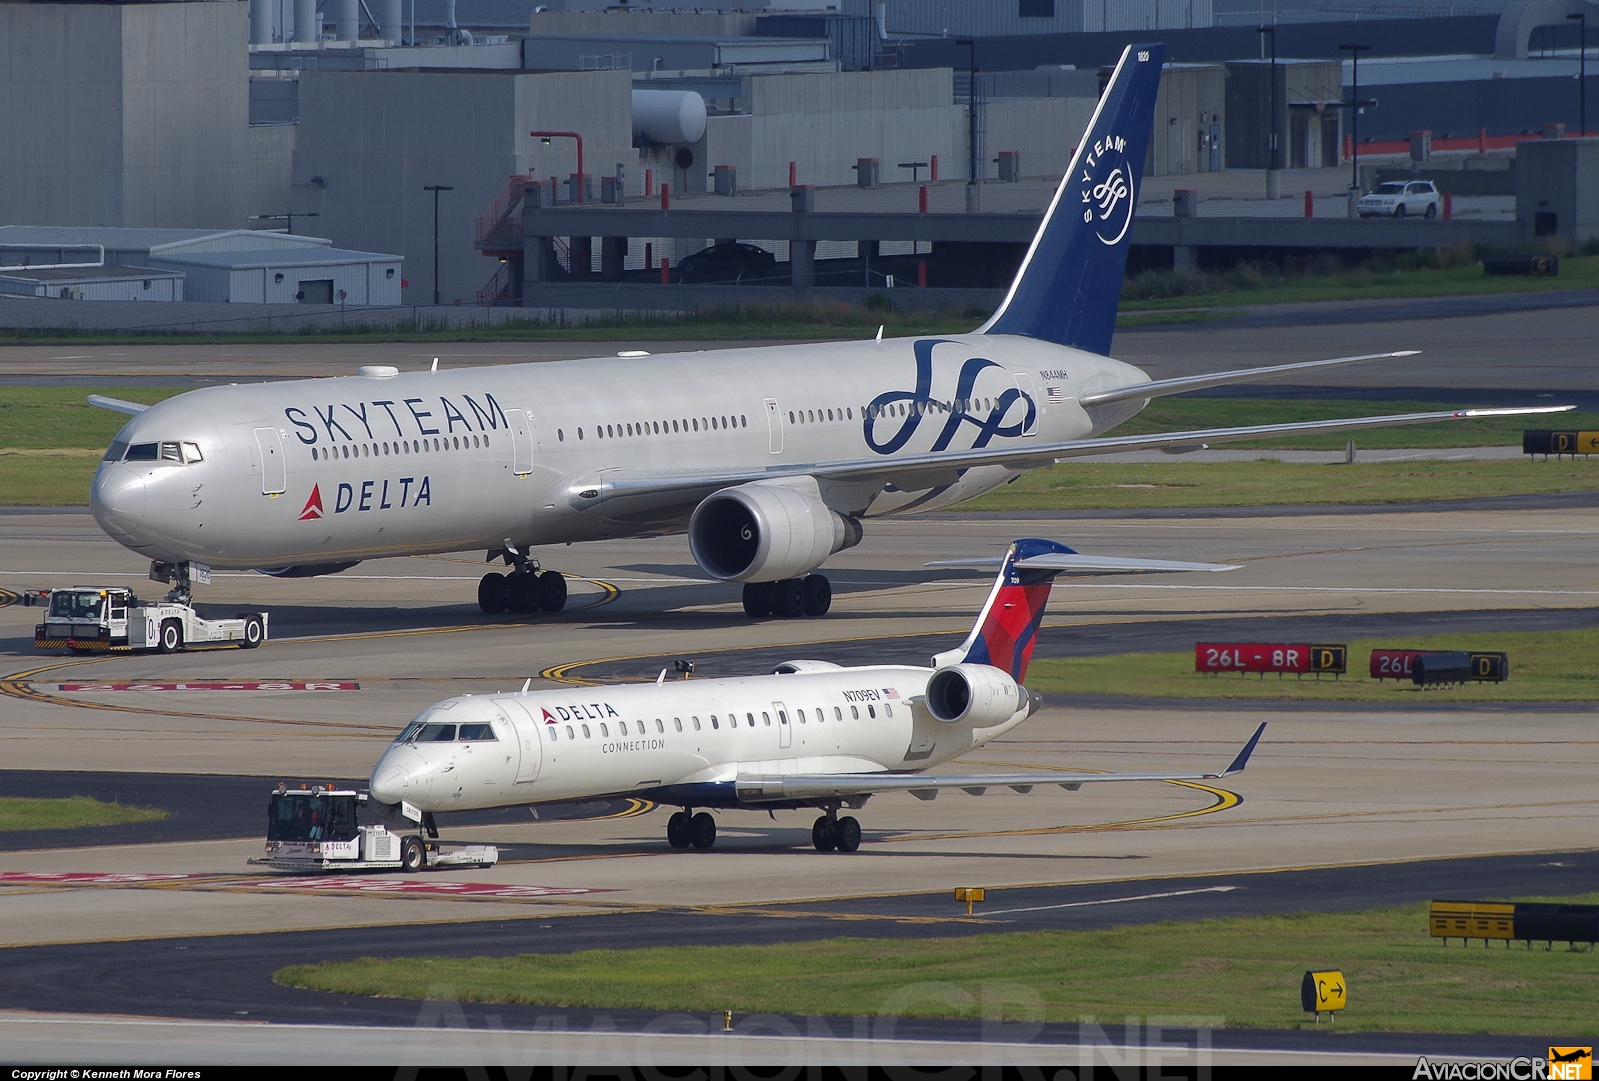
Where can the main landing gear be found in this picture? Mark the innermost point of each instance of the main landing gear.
(830, 833)
(789, 599)
(525, 590)
(686, 829)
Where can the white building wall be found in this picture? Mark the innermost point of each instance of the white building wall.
(378, 137)
(1044, 131)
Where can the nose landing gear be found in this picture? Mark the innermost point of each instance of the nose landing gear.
(525, 590)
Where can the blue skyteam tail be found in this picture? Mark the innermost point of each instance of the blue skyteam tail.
(1069, 286)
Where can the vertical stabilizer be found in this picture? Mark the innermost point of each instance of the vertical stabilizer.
(1007, 628)
(1069, 286)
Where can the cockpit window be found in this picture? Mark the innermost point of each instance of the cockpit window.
(74, 604)
(191, 453)
(408, 732)
(436, 733)
(116, 450)
(171, 452)
(142, 452)
(477, 732)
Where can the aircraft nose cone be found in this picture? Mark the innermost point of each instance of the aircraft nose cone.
(399, 775)
(389, 784)
(117, 499)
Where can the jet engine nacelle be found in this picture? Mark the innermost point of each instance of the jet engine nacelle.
(974, 695)
(762, 532)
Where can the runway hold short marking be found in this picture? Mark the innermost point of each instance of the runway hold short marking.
(414, 887)
(246, 685)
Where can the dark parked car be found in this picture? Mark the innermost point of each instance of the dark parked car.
(728, 262)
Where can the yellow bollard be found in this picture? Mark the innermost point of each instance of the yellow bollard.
(969, 894)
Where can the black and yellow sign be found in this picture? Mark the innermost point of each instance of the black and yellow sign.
(1323, 992)
(1472, 919)
(1329, 659)
(1543, 441)
(1570, 1064)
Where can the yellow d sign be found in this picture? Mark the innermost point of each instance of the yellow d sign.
(1323, 992)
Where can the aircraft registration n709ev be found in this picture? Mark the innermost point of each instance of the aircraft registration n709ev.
(768, 458)
(810, 734)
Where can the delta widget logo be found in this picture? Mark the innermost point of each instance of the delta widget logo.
(313, 506)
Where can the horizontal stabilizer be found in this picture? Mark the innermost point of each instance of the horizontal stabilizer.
(1082, 563)
(1158, 388)
(100, 401)
(764, 789)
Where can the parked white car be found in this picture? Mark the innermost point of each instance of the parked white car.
(1395, 199)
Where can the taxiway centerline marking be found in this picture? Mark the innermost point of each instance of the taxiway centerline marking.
(1112, 900)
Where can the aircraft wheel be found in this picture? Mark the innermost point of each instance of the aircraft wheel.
(789, 598)
(551, 591)
(702, 830)
(818, 594)
(824, 835)
(493, 596)
(678, 830)
(849, 834)
(253, 633)
(413, 855)
(171, 637)
(521, 593)
(758, 597)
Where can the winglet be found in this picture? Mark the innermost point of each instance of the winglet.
(1243, 756)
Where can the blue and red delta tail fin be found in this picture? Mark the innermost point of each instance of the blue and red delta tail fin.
(1007, 629)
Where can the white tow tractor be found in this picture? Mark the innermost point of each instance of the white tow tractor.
(86, 619)
(320, 829)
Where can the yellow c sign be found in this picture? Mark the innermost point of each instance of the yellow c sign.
(1323, 992)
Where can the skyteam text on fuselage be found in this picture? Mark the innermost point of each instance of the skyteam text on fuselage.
(811, 734)
(770, 459)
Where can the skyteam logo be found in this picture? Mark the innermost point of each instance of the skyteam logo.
(1107, 188)
(894, 416)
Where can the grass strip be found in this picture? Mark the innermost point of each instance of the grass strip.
(71, 813)
(1545, 666)
(1077, 485)
(1245, 971)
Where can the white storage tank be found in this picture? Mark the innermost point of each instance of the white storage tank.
(668, 116)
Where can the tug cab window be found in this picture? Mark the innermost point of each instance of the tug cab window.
(76, 604)
(302, 817)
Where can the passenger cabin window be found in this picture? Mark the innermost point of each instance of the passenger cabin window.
(554, 734)
(855, 712)
(477, 732)
(838, 714)
(871, 711)
(766, 718)
(659, 727)
(696, 721)
(586, 732)
(604, 731)
(569, 733)
(713, 721)
(436, 733)
(888, 709)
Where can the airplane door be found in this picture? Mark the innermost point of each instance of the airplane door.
(785, 731)
(1024, 383)
(522, 441)
(774, 427)
(530, 739)
(274, 477)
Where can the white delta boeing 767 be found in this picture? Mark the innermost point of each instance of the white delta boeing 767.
(810, 734)
(770, 459)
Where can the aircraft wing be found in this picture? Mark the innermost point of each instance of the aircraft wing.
(1159, 388)
(100, 401)
(1087, 564)
(807, 786)
(914, 471)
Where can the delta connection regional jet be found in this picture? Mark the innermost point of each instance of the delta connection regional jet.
(770, 459)
(810, 734)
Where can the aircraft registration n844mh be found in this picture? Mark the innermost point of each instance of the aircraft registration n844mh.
(770, 459)
(811, 734)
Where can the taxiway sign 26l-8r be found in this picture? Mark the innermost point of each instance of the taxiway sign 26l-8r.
(770, 459)
(812, 734)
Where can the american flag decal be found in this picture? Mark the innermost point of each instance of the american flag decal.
(1056, 396)
(889, 692)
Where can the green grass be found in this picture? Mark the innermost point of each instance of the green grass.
(1183, 414)
(1545, 666)
(50, 418)
(1268, 287)
(1244, 971)
(1080, 486)
(69, 814)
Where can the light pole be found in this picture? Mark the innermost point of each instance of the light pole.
(1354, 113)
(971, 119)
(1582, 69)
(1273, 179)
(435, 189)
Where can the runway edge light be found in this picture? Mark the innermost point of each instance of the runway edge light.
(1323, 992)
